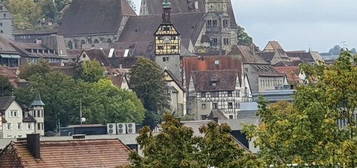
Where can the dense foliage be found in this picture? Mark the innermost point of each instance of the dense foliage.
(307, 131)
(243, 37)
(175, 146)
(90, 71)
(102, 102)
(147, 80)
(6, 88)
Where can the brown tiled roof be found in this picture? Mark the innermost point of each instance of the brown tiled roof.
(6, 46)
(226, 80)
(206, 63)
(109, 153)
(85, 17)
(97, 55)
(247, 53)
(291, 72)
(304, 56)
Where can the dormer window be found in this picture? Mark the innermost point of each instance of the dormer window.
(214, 84)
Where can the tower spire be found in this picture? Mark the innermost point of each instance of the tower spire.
(166, 7)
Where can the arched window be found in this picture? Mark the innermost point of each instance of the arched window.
(83, 42)
(96, 41)
(109, 40)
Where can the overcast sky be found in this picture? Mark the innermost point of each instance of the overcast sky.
(298, 24)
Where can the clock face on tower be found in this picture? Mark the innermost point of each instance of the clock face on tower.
(167, 40)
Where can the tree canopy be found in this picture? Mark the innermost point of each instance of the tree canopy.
(102, 102)
(6, 88)
(175, 146)
(309, 130)
(243, 37)
(147, 81)
(91, 71)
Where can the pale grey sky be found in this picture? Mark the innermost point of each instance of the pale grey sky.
(298, 24)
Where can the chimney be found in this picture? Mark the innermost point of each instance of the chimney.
(33, 145)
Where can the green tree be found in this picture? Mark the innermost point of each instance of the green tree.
(26, 13)
(102, 101)
(105, 103)
(57, 91)
(243, 37)
(175, 146)
(6, 88)
(147, 80)
(306, 131)
(91, 71)
(27, 70)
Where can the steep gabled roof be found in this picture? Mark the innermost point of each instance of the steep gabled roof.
(206, 63)
(142, 28)
(272, 46)
(225, 80)
(247, 53)
(291, 72)
(67, 154)
(5, 102)
(85, 17)
(154, 7)
(305, 57)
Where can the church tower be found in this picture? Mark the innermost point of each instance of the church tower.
(167, 43)
(38, 113)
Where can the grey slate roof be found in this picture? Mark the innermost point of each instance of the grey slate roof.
(5, 102)
(138, 33)
(85, 17)
(154, 7)
(37, 101)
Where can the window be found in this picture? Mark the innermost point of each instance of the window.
(173, 47)
(209, 23)
(214, 105)
(1, 7)
(230, 116)
(165, 59)
(203, 94)
(230, 105)
(238, 93)
(0, 24)
(215, 94)
(19, 126)
(214, 84)
(42, 113)
(39, 126)
(9, 126)
(226, 41)
(160, 47)
(214, 23)
(29, 126)
(42, 127)
(173, 37)
(230, 93)
(167, 28)
(4, 15)
(214, 42)
(38, 113)
(225, 23)
(203, 106)
(34, 113)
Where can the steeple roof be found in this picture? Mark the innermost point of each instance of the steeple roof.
(37, 101)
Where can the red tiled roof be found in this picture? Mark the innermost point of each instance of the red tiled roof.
(292, 73)
(67, 154)
(207, 63)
